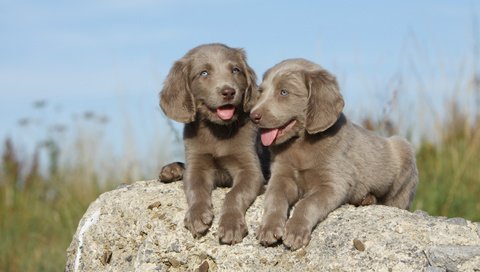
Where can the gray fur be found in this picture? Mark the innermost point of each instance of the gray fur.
(324, 160)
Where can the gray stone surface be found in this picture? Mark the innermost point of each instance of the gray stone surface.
(452, 256)
(139, 227)
(478, 229)
(457, 221)
(435, 269)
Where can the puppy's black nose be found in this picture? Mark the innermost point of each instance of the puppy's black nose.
(255, 116)
(228, 93)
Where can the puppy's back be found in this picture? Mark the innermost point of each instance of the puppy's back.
(384, 166)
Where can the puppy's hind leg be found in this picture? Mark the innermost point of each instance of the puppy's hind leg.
(171, 172)
(403, 188)
(404, 195)
(368, 200)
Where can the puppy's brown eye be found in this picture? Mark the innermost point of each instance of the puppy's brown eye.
(283, 92)
(204, 73)
(236, 70)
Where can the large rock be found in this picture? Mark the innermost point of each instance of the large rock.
(140, 228)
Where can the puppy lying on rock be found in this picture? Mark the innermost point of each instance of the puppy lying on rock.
(320, 160)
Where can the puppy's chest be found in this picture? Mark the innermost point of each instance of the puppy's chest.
(207, 142)
(300, 158)
(303, 165)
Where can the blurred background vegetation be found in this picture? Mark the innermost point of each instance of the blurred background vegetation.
(44, 193)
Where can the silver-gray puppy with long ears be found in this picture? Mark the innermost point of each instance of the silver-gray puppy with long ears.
(320, 160)
(208, 89)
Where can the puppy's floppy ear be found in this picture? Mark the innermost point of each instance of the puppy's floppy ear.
(176, 99)
(325, 103)
(249, 95)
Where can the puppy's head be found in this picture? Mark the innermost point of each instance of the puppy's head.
(296, 96)
(211, 82)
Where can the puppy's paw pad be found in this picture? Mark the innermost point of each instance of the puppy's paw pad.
(171, 172)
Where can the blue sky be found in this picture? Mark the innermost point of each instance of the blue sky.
(111, 57)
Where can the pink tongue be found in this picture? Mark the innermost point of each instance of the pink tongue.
(226, 113)
(268, 136)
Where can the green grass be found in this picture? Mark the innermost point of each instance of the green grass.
(450, 171)
(39, 216)
(36, 231)
(43, 195)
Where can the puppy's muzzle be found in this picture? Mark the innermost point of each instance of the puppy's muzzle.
(256, 117)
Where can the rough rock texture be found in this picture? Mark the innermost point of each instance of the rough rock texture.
(139, 227)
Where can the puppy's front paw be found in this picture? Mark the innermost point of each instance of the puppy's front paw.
(171, 172)
(270, 232)
(198, 220)
(232, 228)
(297, 234)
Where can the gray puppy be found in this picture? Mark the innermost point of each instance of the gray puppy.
(208, 90)
(320, 160)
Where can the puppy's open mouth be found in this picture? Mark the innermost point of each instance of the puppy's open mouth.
(226, 112)
(269, 135)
